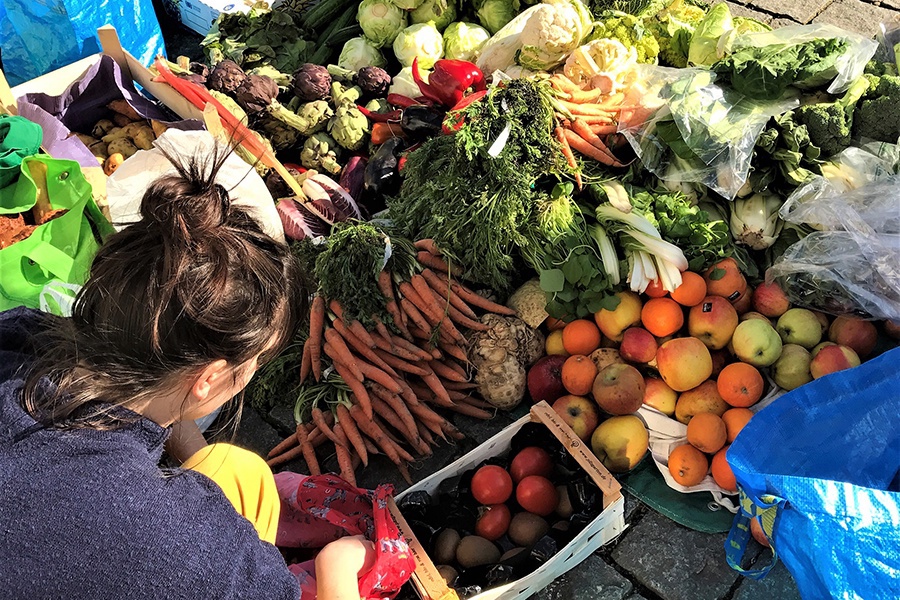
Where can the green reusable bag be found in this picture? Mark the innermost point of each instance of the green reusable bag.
(60, 250)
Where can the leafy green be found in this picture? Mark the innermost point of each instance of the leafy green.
(260, 37)
(784, 157)
(477, 207)
(765, 72)
(278, 381)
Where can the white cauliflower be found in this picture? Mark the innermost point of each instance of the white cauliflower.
(603, 64)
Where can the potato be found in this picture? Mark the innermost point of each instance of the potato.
(122, 107)
(112, 163)
(143, 138)
(102, 127)
(87, 140)
(122, 146)
(121, 120)
(116, 133)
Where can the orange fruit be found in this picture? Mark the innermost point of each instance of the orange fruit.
(740, 384)
(581, 337)
(725, 279)
(554, 343)
(655, 289)
(553, 324)
(735, 419)
(578, 374)
(707, 432)
(662, 316)
(692, 290)
(721, 471)
(688, 465)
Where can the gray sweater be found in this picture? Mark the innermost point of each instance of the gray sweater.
(88, 514)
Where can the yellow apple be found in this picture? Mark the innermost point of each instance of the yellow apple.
(684, 363)
(613, 323)
(659, 395)
(703, 398)
(621, 442)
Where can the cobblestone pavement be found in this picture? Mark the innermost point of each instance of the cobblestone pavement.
(655, 558)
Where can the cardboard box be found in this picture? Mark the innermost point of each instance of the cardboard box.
(608, 525)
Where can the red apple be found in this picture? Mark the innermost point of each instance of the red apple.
(545, 379)
(831, 359)
(743, 303)
(713, 322)
(757, 532)
(855, 333)
(579, 413)
(892, 328)
(619, 389)
(769, 299)
(638, 345)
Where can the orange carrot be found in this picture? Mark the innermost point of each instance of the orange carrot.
(584, 109)
(408, 395)
(373, 373)
(464, 321)
(427, 294)
(424, 433)
(404, 471)
(452, 385)
(335, 307)
(401, 365)
(410, 347)
(345, 463)
(442, 288)
(415, 316)
(305, 361)
(394, 420)
(341, 353)
(583, 130)
(444, 371)
(427, 245)
(438, 264)
(564, 84)
(425, 305)
(451, 430)
(435, 385)
(370, 446)
(400, 352)
(472, 401)
(366, 424)
(353, 436)
(392, 307)
(567, 152)
(603, 129)
(360, 347)
(357, 389)
(382, 330)
(480, 301)
(359, 331)
(583, 146)
(585, 96)
(318, 418)
(316, 330)
(399, 407)
(470, 411)
(455, 351)
(284, 445)
(305, 448)
(382, 132)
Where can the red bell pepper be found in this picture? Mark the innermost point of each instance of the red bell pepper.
(393, 115)
(449, 81)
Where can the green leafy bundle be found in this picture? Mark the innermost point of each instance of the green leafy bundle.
(784, 157)
(260, 37)
(477, 207)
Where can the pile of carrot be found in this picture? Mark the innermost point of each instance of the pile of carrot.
(389, 379)
(588, 122)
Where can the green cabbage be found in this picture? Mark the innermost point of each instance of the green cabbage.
(422, 40)
(380, 21)
(495, 14)
(358, 53)
(462, 41)
(439, 12)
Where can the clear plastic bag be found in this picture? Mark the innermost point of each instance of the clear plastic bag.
(852, 265)
(849, 66)
(688, 129)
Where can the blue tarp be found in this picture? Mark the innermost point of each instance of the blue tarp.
(38, 36)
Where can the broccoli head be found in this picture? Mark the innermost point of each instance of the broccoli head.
(830, 124)
(629, 30)
(877, 115)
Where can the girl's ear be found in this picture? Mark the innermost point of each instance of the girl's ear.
(212, 379)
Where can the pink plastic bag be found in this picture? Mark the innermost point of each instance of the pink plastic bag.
(319, 509)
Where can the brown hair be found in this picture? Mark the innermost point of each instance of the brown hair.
(194, 281)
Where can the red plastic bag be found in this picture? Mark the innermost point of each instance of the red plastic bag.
(319, 509)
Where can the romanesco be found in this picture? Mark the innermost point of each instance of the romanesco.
(629, 30)
(877, 115)
(829, 124)
(672, 28)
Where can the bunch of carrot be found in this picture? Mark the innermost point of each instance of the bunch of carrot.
(584, 116)
(381, 385)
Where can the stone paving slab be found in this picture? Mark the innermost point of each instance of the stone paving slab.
(857, 16)
(674, 562)
(801, 11)
(740, 10)
(778, 584)
(592, 580)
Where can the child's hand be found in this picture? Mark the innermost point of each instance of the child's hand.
(338, 566)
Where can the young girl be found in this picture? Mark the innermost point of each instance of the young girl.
(178, 313)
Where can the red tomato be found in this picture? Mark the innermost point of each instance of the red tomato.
(494, 522)
(530, 461)
(491, 485)
(655, 289)
(537, 495)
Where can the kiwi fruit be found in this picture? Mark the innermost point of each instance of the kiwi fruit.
(564, 508)
(474, 551)
(527, 528)
(448, 573)
(445, 546)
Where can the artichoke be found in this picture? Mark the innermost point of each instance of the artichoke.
(277, 186)
(316, 114)
(349, 127)
(282, 135)
(321, 152)
(256, 93)
(282, 79)
(374, 81)
(226, 77)
(199, 68)
(378, 105)
(755, 221)
(341, 94)
(311, 82)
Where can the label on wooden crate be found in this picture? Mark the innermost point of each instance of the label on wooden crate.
(579, 450)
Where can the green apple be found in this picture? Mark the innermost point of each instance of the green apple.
(799, 326)
(756, 343)
(791, 370)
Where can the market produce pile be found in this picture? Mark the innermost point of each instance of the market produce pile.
(647, 213)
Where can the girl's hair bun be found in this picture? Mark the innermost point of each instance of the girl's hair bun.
(189, 203)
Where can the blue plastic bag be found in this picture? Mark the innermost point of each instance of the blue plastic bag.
(820, 467)
(38, 36)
